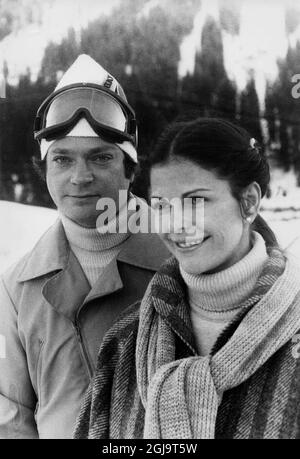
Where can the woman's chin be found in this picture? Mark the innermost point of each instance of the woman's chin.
(192, 266)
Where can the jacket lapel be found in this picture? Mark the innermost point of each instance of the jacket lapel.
(67, 290)
(110, 281)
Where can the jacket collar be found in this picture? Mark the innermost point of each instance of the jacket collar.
(52, 251)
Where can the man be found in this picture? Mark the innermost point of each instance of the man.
(57, 303)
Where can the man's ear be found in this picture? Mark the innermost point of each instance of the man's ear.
(250, 201)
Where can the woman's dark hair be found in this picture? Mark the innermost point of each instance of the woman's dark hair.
(222, 147)
(40, 167)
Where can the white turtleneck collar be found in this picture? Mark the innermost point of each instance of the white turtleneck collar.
(90, 239)
(224, 291)
(93, 249)
(215, 299)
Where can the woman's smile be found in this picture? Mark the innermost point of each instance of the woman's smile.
(188, 245)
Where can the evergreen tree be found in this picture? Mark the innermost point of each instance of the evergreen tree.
(250, 111)
(201, 89)
(226, 99)
(270, 112)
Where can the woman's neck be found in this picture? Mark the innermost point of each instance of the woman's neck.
(224, 290)
(243, 248)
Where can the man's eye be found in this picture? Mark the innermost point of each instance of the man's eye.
(102, 158)
(62, 160)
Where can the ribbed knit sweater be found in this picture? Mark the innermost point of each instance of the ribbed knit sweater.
(215, 299)
(93, 250)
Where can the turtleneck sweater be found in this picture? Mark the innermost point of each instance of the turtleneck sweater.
(93, 250)
(215, 299)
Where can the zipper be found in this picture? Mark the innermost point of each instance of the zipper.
(83, 351)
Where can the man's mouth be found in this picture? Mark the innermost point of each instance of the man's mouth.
(83, 196)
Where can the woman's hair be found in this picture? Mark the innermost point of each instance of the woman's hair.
(223, 147)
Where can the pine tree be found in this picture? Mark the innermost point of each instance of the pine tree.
(250, 111)
(226, 99)
(201, 90)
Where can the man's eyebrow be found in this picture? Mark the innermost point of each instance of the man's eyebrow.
(60, 151)
(187, 193)
(91, 151)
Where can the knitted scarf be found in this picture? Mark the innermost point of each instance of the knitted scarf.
(181, 397)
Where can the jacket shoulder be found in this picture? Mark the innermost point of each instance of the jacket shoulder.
(10, 275)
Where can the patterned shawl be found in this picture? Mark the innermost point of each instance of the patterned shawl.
(181, 397)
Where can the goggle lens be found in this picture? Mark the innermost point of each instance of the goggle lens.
(102, 107)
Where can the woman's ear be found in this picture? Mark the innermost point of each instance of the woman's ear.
(250, 202)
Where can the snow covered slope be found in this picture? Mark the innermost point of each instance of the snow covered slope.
(20, 228)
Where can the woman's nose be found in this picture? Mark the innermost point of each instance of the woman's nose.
(81, 175)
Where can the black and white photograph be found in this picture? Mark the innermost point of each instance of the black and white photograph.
(149, 222)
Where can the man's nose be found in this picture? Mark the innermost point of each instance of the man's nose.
(81, 174)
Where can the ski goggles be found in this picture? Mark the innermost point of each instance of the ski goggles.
(108, 114)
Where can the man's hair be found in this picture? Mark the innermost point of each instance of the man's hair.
(40, 166)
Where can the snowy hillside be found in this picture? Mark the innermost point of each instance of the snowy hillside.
(282, 210)
(49, 22)
(20, 228)
(244, 51)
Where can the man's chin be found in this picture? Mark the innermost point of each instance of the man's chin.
(86, 220)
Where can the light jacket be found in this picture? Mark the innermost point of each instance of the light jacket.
(52, 324)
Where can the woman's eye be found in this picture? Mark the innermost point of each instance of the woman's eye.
(160, 205)
(195, 200)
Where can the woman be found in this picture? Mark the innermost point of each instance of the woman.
(209, 352)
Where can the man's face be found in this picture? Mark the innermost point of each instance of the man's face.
(80, 171)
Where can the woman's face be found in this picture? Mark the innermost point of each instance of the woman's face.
(226, 236)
